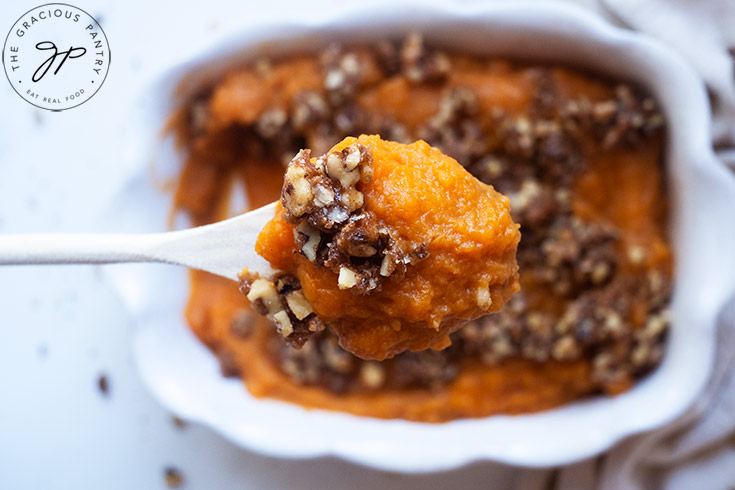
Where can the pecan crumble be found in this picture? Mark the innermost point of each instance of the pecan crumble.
(333, 229)
(281, 301)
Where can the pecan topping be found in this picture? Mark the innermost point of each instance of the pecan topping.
(322, 198)
(281, 301)
(421, 64)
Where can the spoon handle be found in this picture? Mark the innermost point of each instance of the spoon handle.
(79, 248)
(222, 248)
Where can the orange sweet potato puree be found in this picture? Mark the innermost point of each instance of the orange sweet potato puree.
(515, 386)
(621, 186)
(423, 197)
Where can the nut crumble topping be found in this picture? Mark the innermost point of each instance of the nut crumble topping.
(280, 300)
(333, 229)
(421, 65)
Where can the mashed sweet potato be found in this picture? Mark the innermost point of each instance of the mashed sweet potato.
(424, 247)
(580, 158)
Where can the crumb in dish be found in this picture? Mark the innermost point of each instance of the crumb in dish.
(393, 246)
(580, 158)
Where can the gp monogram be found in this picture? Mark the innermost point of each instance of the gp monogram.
(56, 56)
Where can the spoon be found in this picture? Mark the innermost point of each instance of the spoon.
(222, 248)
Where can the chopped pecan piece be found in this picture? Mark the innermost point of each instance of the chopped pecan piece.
(281, 301)
(322, 198)
(423, 65)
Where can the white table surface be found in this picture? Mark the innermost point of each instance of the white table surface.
(62, 327)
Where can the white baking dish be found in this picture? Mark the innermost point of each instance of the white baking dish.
(185, 376)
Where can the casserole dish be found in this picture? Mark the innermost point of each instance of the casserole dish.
(185, 376)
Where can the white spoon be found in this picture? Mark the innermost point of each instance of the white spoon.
(222, 248)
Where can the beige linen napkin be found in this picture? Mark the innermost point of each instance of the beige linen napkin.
(697, 451)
